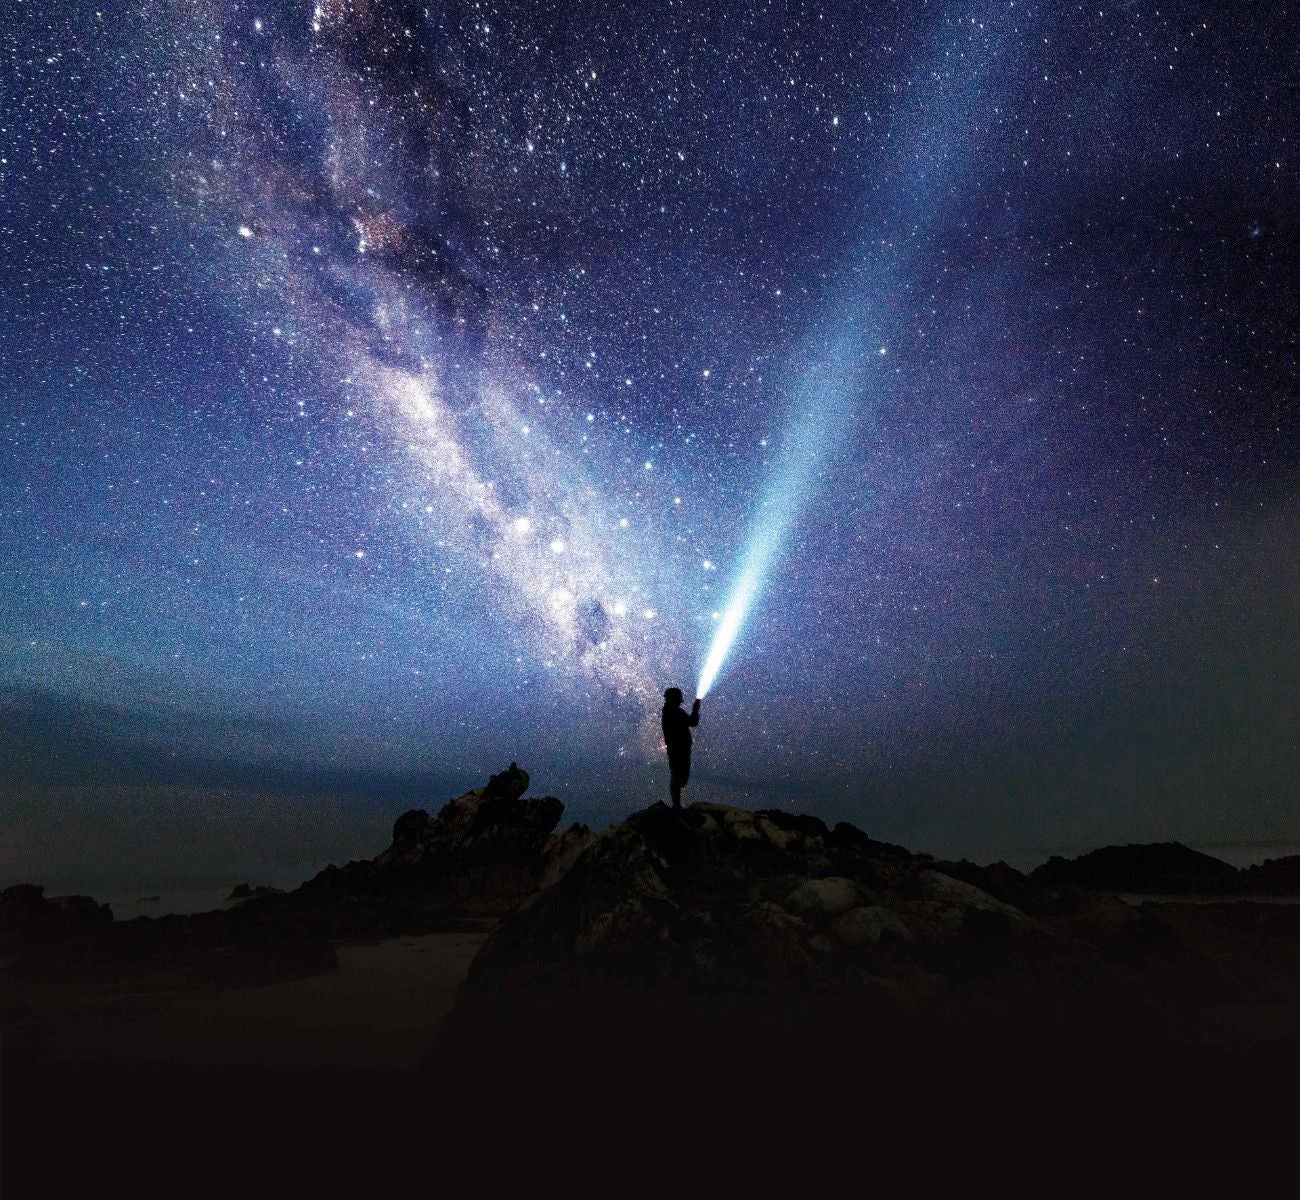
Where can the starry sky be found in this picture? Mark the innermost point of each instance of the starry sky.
(394, 390)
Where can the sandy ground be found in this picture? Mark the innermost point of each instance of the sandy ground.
(379, 1010)
(159, 1085)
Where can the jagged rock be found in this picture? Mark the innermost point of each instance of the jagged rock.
(761, 953)
(1005, 883)
(481, 853)
(29, 918)
(562, 852)
(408, 827)
(1158, 867)
(23, 894)
(243, 891)
(1276, 876)
(845, 834)
(764, 950)
(722, 900)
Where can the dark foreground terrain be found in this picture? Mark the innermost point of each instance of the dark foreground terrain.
(690, 999)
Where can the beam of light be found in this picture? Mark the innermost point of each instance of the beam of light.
(829, 392)
(742, 596)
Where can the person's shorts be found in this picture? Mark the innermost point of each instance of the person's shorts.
(680, 767)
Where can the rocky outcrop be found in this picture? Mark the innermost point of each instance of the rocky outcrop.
(1151, 869)
(561, 852)
(29, 918)
(244, 891)
(765, 942)
(483, 852)
(722, 900)
(1008, 885)
(477, 857)
(715, 958)
(1275, 876)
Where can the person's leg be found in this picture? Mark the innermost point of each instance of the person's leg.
(679, 773)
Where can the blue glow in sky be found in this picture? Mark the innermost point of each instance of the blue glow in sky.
(391, 392)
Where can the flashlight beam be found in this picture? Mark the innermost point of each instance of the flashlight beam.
(741, 598)
(829, 392)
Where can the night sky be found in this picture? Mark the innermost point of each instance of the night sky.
(394, 391)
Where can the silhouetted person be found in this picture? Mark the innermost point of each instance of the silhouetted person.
(678, 723)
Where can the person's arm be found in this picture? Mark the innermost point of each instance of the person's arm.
(695, 714)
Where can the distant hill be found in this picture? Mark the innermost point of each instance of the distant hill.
(1156, 867)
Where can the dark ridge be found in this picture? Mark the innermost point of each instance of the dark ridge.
(1157, 867)
(1279, 876)
(481, 854)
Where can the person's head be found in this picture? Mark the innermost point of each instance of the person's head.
(673, 696)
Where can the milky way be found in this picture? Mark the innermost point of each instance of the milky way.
(411, 383)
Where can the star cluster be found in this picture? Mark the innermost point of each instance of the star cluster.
(413, 377)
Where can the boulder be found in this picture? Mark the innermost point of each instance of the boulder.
(866, 926)
(408, 827)
(822, 899)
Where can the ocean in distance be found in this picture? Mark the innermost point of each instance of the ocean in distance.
(129, 901)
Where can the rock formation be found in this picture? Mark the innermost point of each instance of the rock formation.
(482, 853)
(722, 900)
(245, 891)
(714, 961)
(28, 918)
(705, 934)
(1276, 876)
